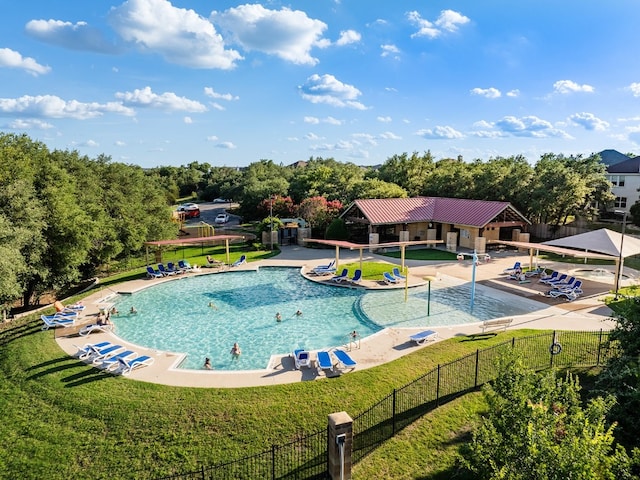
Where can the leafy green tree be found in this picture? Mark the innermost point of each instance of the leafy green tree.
(261, 180)
(450, 178)
(537, 428)
(503, 179)
(325, 178)
(375, 188)
(408, 172)
(337, 230)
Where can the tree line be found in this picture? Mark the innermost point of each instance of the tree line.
(63, 215)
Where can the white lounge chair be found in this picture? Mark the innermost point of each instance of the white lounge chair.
(301, 358)
(344, 359)
(396, 273)
(93, 328)
(111, 362)
(87, 349)
(515, 267)
(100, 353)
(164, 271)
(389, 279)
(242, 260)
(58, 320)
(344, 275)
(357, 277)
(151, 273)
(324, 361)
(125, 367)
(424, 336)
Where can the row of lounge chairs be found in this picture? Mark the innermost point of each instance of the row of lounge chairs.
(184, 267)
(112, 358)
(326, 360)
(562, 285)
(344, 277)
(394, 277)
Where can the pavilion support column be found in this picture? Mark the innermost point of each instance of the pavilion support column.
(402, 248)
(226, 244)
(337, 256)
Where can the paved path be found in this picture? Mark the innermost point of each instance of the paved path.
(586, 313)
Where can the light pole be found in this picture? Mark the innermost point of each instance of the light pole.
(429, 279)
(620, 256)
(271, 220)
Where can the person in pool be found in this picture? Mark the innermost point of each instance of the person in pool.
(235, 350)
(278, 317)
(298, 313)
(207, 364)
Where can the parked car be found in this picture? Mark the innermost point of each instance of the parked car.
(220, 200)
(190, 210)
(221, 219)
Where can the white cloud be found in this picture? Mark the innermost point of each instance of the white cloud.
(439, 132)
(210, 92)
(347, 37)
(366, 138)
(119, 143)
(390, 136)
(389, 49)
(487, 92)
(187, 120)
(217, 106)
(568, 86)
(330, 120)
(448, 21)
(328, 89)
(589, 121)
(312, 136)
(529, 126)
(635, 89)
(340, 145)
(312, 120)
(181, 36)
(90, 143)
(288, 34)
(513, 93)
(168, 101)
(51, 106)
(226, 145)
(384, 119)
(212, 138)
(629, 119)
(12, 59)
(31, 124)
(74, 36)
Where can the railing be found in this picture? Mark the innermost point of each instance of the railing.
(306, 456)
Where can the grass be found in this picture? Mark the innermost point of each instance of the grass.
(63, 419)
(423, 254)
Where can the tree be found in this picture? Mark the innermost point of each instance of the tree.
(408, 172)
(337, 230)
(375, 188)
(319, 212)
(537, 428)
(325, 178)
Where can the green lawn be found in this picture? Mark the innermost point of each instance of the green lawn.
(63, 419)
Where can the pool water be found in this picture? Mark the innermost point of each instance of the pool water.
(176, 316)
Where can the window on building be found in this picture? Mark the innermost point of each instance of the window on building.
(620, 202)
(616, 180)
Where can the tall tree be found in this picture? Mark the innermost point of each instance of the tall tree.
(410, 172)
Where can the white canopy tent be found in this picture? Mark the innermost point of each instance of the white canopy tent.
(603, 241)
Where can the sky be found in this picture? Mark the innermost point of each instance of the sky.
(158, 82)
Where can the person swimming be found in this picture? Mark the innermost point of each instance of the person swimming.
(278, 317)
(236, 350)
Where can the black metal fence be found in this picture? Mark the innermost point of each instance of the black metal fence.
(305, 458)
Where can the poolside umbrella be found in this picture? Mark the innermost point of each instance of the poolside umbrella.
(600, 241)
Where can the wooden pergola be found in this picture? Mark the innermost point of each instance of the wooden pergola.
(191, 241)
(358, 246)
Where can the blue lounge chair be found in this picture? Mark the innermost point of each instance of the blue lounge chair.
(100, 353)
(324, 361)
(424, 336)
(344, 275)
(172, 268)
(58, 320)
(164, 271)
(184, 265)
(94, 327)
(112, 361)
(327, 266)
(324, 269)
(389, 279)
(86, 349)
(515, 267)
(344, 359)
(559, 279)
(240, 261)
(397, 274)
(151, 273)
(357, 277)
(550, 278)
(125, 367)
(301, 358)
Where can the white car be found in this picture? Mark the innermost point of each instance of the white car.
(221, 219)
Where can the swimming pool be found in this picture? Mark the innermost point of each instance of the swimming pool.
(176, 316)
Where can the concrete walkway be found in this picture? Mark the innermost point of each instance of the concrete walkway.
(586, 313)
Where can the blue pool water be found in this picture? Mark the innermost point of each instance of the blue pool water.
(176, 317)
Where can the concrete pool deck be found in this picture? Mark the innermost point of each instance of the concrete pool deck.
(586, 313)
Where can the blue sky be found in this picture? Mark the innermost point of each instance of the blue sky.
(157, 82)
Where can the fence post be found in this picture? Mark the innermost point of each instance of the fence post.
(475, 381)
(438, 388)
(202, 470)
(340, 445)
(393, 414)
(273, 461)
(599, 348)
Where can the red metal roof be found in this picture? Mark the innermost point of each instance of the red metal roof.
(459, 211)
